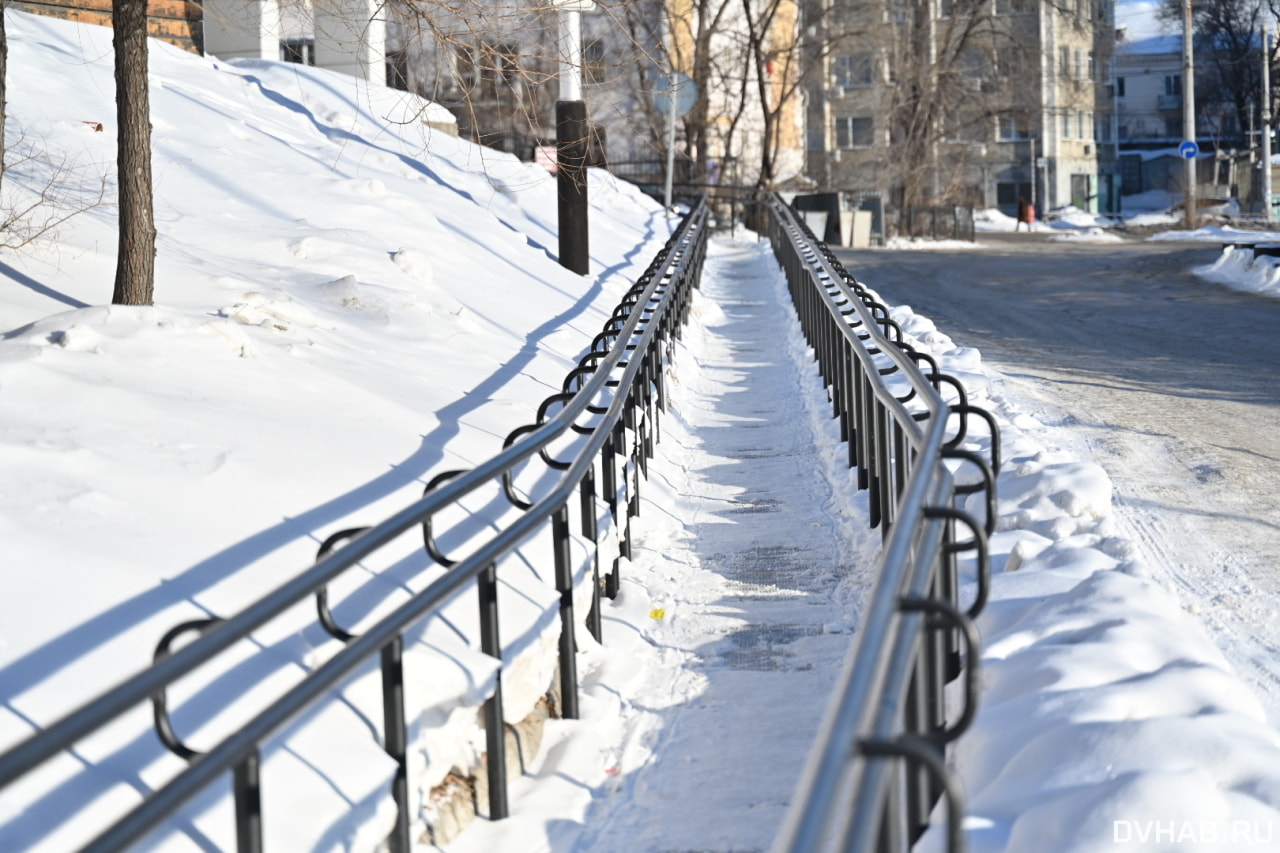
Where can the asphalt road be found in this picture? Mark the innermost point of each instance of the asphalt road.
(1169, 381)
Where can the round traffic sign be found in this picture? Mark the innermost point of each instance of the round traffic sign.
(675, 89)
(1188, 150)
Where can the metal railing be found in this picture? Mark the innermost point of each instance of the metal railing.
(953, 221)
(605, 416)
(878, 766)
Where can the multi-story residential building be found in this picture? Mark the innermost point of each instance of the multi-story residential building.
(978, 102)
(1148, 88)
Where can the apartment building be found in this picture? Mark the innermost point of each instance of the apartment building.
(978, 102)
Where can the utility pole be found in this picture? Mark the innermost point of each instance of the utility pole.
(1266, 117)
(1034, 170)
(1188, 114)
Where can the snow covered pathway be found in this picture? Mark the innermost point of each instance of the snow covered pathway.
(751, 557)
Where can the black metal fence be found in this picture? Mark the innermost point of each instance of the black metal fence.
(878, 766)
(590, 445)
(954, 222)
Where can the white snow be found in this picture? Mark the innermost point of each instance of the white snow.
(348, 302)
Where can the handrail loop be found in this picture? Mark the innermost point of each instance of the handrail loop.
(160, 700)
(919, 750)
(428, 536)
(323, 613)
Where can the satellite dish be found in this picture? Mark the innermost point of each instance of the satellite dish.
(676, 90)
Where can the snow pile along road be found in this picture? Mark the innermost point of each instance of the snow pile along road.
(1108, 718)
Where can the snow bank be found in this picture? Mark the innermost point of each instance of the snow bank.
(1109, 719)
(1238, 269)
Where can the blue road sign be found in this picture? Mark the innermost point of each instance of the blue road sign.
(676, 90)
(1188, 150)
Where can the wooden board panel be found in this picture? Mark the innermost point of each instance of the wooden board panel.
(178, 10)
(178, 31)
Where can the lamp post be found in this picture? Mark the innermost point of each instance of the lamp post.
(1188, 115)
(571, 141)
(1266, 118)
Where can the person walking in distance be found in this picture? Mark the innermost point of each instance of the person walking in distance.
(1026, 214)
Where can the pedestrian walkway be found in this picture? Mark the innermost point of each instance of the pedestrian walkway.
(753, 549)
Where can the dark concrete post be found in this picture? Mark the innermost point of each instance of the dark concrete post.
(571, 184)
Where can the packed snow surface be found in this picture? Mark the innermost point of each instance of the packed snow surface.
(347, 303)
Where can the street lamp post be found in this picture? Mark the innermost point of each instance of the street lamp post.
(1188, 115)
(571, 142)
(1266, 119)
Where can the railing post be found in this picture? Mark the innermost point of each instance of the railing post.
(495, 732)
(395, 740)
(595, 622)
(247, 783)
(568, 644)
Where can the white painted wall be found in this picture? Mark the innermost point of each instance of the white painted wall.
(351, 37)
(237, 29)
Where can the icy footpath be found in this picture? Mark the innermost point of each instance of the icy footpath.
(751, 559)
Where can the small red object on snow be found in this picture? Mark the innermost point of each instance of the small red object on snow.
(96, 125)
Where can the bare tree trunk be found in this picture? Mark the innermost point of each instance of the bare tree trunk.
(135, 265)
(4, 68)
(756, 34)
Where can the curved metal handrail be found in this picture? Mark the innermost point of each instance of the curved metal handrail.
(633, 323)
(899, 442)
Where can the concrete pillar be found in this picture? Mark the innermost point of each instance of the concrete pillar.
(351, 37)
(235, 29)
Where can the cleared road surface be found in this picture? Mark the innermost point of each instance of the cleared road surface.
(1170, 382)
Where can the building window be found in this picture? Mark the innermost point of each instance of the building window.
(1009, 194)
(1119, 87)
(851, 71)
(593, 61)
(1173, 128)
(1066, 125)
(299, 49)
(1010, 129)
(510, 62)
(854, 132)
(1093, 65)
(1081, 131)
(398, 70)
(1079, 64)
(464, 66)
(1064, 62)
(1173, 84)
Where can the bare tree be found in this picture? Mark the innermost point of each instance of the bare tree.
(44, 190)
(1228, 43)
(135, 264)
(4, 69)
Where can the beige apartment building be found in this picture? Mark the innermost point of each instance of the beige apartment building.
(978, 103)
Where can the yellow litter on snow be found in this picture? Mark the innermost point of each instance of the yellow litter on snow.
(657, 613)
